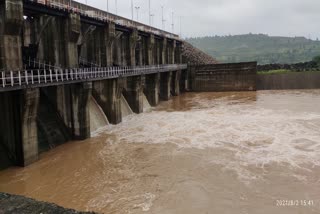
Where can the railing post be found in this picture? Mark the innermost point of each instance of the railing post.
(26, 77)
(67, 75)
(39, 80)
(56, 71)
(45, 75)
(32, 77)
(62, 75)
(19, 78)
(71, 73)
(3, 80)
(11, 75)
(50, 75)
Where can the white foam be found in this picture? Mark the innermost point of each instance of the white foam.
(257, 135)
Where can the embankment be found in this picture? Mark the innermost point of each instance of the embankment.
(294, 80)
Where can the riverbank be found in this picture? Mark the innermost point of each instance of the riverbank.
(283, 80)
(19, 204)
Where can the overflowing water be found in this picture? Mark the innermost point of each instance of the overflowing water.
(146, 104)
(98, 119)
(228, 153)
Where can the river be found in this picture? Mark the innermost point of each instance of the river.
(226, 153)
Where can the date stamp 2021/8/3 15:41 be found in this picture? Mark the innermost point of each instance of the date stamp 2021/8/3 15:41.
(295, 203)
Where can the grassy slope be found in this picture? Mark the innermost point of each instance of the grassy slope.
(261, 48)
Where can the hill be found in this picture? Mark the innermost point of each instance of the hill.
(258, 47)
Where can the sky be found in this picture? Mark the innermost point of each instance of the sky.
(196, 18)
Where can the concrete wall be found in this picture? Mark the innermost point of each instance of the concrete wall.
(11, 21)
(308, 80)
(18, 127)
(35, 120)
(224, 77)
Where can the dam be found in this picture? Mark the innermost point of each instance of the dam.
(103, 114)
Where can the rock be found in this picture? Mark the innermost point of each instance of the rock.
(193, 55)
(14, 204)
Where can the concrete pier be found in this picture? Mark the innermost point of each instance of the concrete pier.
(11, 22)
(165, 85)
(108, 95)
(110, 36)
(152, 88)
(175, 83)
(134, 93)
(18, 126)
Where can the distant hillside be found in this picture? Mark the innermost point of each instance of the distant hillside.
(258, 47)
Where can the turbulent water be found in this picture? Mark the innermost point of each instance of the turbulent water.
(226, 153)
(97, 118)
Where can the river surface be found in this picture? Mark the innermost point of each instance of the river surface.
(225, 153)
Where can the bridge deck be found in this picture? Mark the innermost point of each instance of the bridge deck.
(92, 15)
(36, 78)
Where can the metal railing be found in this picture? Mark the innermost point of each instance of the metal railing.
(37, 63)
(34, 78)
(88, 11)
(86, 62)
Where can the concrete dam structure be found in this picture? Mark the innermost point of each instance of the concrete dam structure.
(62, 62)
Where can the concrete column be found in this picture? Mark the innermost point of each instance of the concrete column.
(152, 88)
(178, 53)
(18, 109)
(134, 93)
(72, 103)
(108, 95)
(175, 86)
(140, 54)
(18, 126)
(176, 75)
(110, 36)
(165, 78)
(172, 52)
(117, 55)
(72, 33)
(30, 103)
(165, 85)
(133, 39)
(134, 87)
(152, 81)
(150, 50)
(11, 22)
(157, 52)
(81, 93)
(164, 51)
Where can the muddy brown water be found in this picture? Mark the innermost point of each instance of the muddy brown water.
(226, 153)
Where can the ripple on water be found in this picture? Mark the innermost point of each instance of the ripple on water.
(198, 153)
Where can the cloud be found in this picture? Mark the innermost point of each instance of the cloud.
(221, 17)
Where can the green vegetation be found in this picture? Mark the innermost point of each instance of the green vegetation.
(316, 59)
(282, 71)
(259, 47)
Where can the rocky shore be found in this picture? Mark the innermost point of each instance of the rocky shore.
(193, 55)
(14, 204)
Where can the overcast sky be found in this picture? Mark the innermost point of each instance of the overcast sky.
(223, 17)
